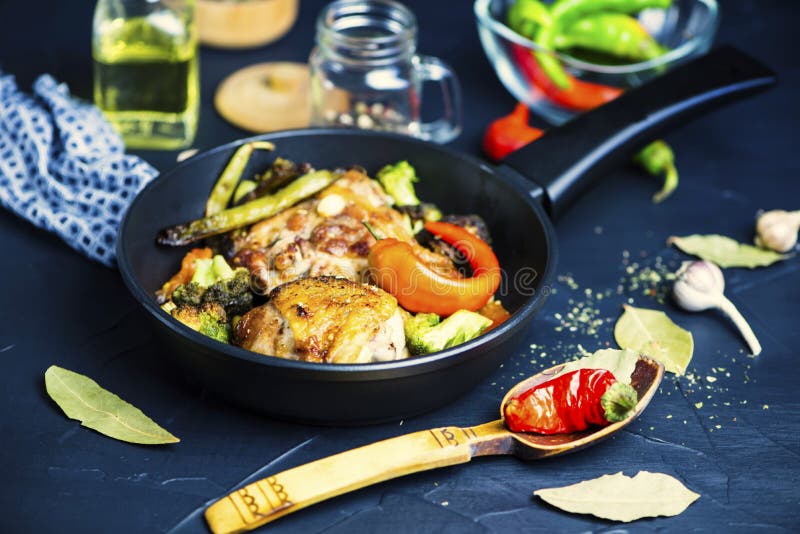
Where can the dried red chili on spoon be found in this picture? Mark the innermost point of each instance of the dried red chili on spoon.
(571, 402)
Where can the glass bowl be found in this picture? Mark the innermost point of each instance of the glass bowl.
(686, 28)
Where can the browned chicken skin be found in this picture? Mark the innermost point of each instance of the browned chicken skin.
(325, 319)
(325, 236)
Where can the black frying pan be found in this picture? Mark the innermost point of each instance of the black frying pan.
(558, 166)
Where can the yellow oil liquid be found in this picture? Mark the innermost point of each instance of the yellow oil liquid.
(145, 79)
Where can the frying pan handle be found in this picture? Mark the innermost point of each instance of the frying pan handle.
(567, 159)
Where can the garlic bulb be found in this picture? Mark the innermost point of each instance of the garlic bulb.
(699, 285)
(777, 230)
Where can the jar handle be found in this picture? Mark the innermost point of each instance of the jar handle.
(448, 127)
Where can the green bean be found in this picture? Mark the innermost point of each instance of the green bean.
(223, 190)
(261, 208)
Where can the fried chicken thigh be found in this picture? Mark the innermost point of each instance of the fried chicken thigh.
(325, 319)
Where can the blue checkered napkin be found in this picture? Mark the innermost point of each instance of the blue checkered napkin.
(64, 168)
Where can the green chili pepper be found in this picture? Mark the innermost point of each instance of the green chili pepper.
(223, 190)
(244, 187)
(550, 64)
(565, 13)
(614, 34)
(244, 214)
(525, 15)
(657, 158)
(601, 25)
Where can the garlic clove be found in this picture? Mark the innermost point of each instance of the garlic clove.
(777, 230)
(331, 205)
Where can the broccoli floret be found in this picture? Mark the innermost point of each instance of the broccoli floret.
(203, 272)
(209, 271)
(190, 294)
(398, 181)
(215, 282)
(209, 319)
(425, 333)
(222, 271)
(418, 323)
(215, 291)
(232, 293)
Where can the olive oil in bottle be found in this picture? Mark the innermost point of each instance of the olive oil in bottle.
(145, 70)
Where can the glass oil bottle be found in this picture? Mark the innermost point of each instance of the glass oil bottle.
(146, 71)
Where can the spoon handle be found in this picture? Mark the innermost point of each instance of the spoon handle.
(278, 495)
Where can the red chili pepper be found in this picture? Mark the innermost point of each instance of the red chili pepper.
(580, 95)
(395, 268)
(509, 133)
(571, 402)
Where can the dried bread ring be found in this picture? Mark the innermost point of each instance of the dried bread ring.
(266, 97)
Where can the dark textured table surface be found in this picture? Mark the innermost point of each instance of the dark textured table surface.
(735, 440)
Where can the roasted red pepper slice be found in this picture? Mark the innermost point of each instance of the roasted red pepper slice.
(571, 402)
(580, 96)
(395, 268)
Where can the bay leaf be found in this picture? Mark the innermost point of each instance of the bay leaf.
(726, 252)
(620, 362)
(652, 333)
(622, 498)
(83, 399)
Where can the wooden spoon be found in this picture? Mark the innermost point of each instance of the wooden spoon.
(276, 496)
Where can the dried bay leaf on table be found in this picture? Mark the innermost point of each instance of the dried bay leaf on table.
(622, 498)
(652, 333)
(726, 252)
(83, 399)
(621, 363)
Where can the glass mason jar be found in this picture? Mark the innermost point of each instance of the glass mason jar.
(145, 70)
(365, 72)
